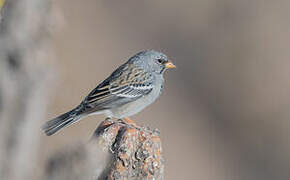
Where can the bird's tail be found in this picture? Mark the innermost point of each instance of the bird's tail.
(62, 121)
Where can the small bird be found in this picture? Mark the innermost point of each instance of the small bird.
(128, 90)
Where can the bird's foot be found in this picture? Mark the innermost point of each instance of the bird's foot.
(129, 122)
(108, 119)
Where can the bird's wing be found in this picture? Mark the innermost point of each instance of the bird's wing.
(125, 85)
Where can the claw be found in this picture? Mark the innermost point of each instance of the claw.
(129, 121)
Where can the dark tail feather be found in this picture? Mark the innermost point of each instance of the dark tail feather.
(61, 121)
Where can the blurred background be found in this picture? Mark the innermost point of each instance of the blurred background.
(224, 113)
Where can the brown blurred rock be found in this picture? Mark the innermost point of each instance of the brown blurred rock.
(131, 152)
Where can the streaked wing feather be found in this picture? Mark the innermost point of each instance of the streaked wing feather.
(132, 91)
(126, 84)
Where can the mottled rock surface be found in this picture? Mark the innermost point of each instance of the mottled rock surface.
(127, 152)
(136, 151)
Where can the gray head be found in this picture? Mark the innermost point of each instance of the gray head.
(152, 61)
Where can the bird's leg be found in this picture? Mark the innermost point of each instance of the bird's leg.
(109, 120)
(129, 121)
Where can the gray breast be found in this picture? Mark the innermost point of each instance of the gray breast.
(141, 103)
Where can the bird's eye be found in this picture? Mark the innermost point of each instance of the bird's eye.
(160, 61)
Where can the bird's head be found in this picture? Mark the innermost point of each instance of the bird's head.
(152, 61)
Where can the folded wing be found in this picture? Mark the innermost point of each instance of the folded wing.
(125, 85)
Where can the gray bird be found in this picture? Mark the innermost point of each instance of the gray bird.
(128, 90)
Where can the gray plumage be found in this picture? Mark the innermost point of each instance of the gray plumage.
(128, 90)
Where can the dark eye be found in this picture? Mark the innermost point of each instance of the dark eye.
(160, 61)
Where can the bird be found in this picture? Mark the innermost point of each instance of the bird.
(128, 90)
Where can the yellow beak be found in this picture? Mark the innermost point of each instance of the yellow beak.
(169, 65)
